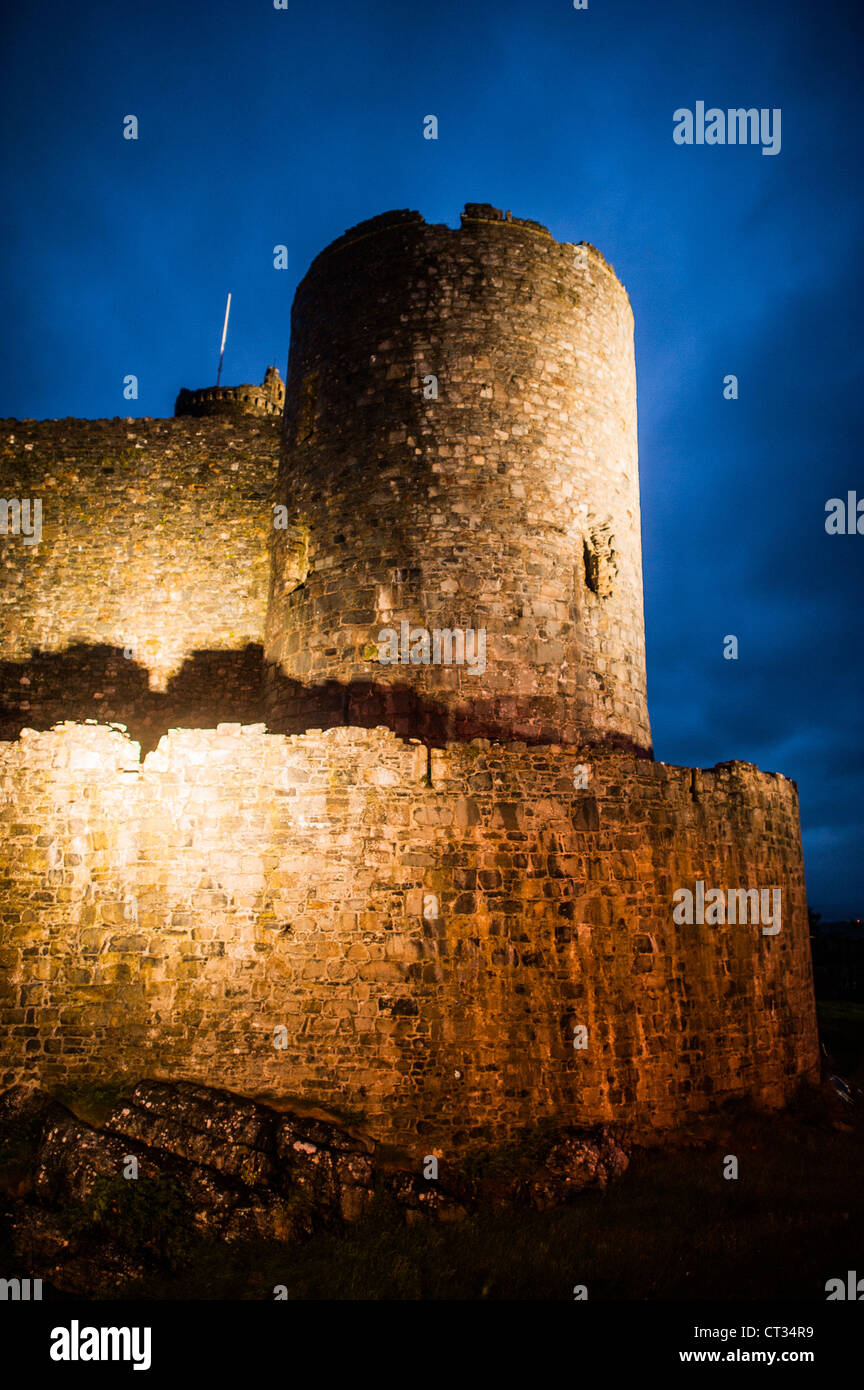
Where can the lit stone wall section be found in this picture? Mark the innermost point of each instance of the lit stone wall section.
(155, 537)
(406, 916)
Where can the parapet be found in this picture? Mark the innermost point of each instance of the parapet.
(485, 212)
(474, 215)
(266, 399)
(385, 221)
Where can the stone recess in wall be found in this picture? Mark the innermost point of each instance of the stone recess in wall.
(601, 564)
(425, 919)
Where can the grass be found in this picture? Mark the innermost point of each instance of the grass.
(142, 1214)
(18, 1148)
(841, 1028)
(671, 1228)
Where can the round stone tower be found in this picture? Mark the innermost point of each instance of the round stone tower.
(230, 401)
(460, 458)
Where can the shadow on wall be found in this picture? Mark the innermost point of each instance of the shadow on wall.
(98, 682)
(215, 687)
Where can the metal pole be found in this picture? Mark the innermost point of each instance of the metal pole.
(224, 336)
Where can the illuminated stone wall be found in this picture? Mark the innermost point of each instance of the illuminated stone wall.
(151, 577)
(154, 536)
(425, 927)
(163, 919)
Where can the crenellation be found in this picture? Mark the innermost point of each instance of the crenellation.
(230, 401)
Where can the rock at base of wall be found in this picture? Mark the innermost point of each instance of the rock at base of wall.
(175, 1163)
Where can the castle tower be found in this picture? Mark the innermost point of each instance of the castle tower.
(460, 453)
(229, 401)
(440, 930)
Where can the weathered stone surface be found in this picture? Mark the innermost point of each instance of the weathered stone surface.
(315, 1159)
(509, 502)
(344, 920)
(202, 1125)
(154, 561)
(421, 1197)
(312, 1184)
(278, 883)
(74, 1156)
(318, 1173)
(27, 1109)
(42, 1243)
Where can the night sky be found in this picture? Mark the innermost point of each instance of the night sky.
(260, 126)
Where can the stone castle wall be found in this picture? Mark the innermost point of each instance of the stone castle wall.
(163, 918)
(509, 502)
(427, 924)
(155, 538)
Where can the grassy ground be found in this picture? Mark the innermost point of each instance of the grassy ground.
(671, 1228)
(841, 1028)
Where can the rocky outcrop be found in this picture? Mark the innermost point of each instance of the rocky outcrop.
(312, 1159)
(573, 1164)
(180, 1163)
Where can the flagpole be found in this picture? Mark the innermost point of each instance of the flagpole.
(224, 336)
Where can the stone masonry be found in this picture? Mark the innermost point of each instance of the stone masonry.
(231, 401)
(396, 895)
(429, 928)
(153, 562)
(509, 501)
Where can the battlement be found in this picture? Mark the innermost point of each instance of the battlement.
(266, 399)
(474, 216)
(383, 222)
(485, 212)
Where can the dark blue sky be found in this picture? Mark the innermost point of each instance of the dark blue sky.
(260, 126)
